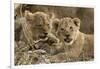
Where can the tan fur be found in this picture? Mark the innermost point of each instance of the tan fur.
(36, 26)
(77, 45)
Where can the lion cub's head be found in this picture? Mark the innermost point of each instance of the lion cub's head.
(38, 23)
(66, 29)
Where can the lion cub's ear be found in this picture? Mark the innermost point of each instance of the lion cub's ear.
(76, 21)
(28, 14)
(55, 24)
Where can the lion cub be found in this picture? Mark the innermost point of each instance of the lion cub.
(33, 27)
(76, 45)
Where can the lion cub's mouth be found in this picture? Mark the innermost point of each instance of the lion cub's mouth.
(43, 36)
(68, 40)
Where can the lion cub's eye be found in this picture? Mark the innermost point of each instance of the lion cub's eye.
(71, 28)
(39, 25)
(47, 24)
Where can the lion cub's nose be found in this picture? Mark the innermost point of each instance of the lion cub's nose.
(67, 35)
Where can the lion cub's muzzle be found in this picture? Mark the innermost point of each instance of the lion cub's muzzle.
(43, 35)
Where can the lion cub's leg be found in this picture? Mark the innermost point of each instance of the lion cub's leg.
(50, 45)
